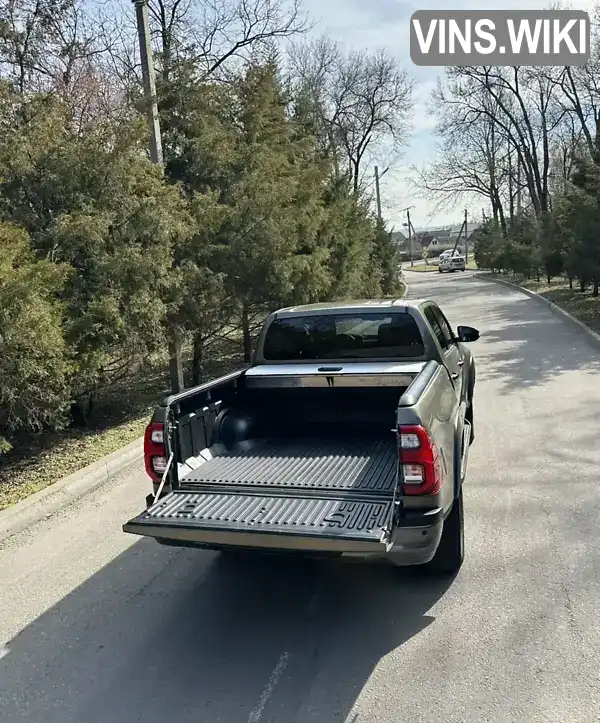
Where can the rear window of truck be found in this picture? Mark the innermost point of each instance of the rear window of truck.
(343, 336)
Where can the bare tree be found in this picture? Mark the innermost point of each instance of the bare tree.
(524, 109)
(56, 46)
(215, 34)
(473, 159)
(580, 97)
(579, 92)
(363, 99)
(570, 143)
(24, 30)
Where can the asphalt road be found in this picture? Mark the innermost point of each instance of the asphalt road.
(98, 627)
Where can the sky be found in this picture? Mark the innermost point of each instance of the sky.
(375, 24)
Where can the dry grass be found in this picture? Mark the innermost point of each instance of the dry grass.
(422, 268)
(24, 475)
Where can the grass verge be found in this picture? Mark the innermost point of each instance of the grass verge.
(60, 456)
(582, 305)
(422, 268)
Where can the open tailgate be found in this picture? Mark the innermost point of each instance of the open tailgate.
(310, 522)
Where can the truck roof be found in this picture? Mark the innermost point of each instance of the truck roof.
(342, 307)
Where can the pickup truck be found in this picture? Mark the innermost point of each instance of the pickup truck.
(347, 436)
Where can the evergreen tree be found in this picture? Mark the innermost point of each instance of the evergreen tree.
(34, 359)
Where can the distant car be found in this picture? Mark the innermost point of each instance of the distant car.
(450, 252)
(451, 264)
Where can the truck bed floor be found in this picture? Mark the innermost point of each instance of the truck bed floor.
(361, 466)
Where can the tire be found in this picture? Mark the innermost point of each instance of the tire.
(450, 554)
(439, 271)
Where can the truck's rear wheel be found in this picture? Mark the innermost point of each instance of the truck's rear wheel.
(451, 551)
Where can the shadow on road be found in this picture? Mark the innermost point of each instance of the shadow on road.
(209, 640)
(527, 345)
(523, 343)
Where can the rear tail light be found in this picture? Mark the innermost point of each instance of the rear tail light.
(157, 436)
(410, 441)
(155, 455)
(159, 465)
(421, 463)
(414, 474)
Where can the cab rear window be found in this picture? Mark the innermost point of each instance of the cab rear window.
(343, 336)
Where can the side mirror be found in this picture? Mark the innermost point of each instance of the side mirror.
(467, 333)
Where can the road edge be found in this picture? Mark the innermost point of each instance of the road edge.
(593, 336)
(32, 509)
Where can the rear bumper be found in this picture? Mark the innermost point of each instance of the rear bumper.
(416, 540)
(219, 539)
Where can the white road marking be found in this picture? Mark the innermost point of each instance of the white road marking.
(256, 714)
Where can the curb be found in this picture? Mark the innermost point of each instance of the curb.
(21, 515)
(593, 336)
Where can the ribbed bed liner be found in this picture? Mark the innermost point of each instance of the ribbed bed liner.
(268, 514)
(311, 495)
(359, 466)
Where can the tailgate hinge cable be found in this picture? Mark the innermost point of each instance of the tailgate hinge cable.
(394, 511)
(164, 479)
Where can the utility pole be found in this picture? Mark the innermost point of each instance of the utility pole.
(463, 225)
(410, 235)
(377, 191)
(156, 156)
(466, 240)
(408, 225)
(143, 28)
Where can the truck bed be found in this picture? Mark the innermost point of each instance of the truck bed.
(357, 466)
(324, 496)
